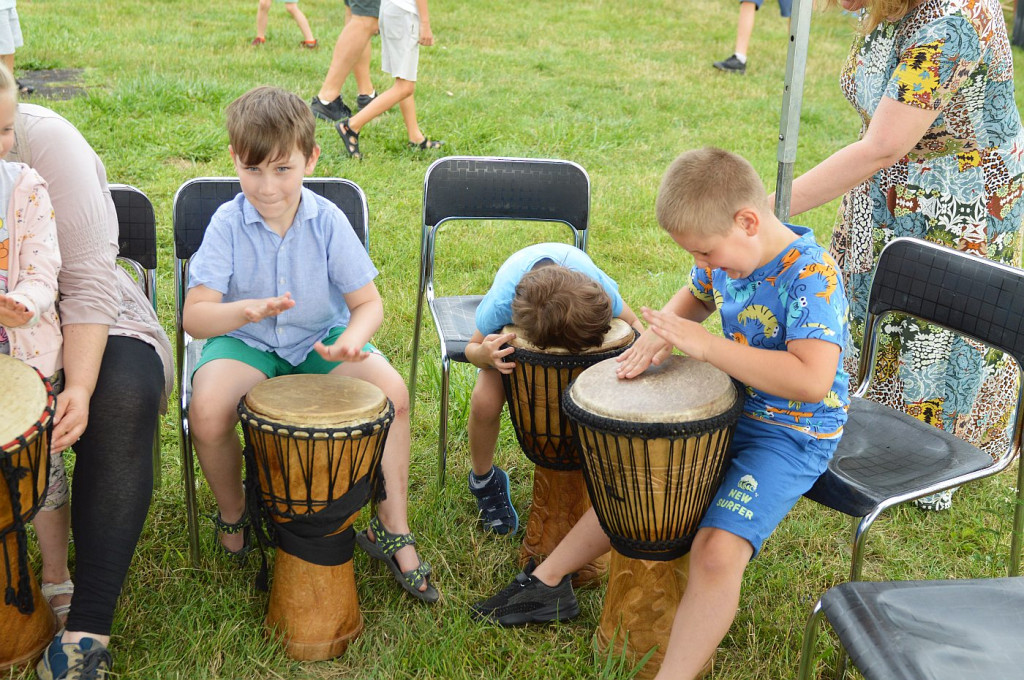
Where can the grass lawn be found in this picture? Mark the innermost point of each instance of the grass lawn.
(620, 88)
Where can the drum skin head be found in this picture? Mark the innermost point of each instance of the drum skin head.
(316, 400)
(619, 335)
(22, 399)
(680, 390)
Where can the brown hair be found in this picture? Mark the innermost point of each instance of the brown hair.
(877, 11)
(267, 122)
(704, 188)
(560, 307)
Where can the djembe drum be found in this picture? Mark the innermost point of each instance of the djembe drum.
(26, 417)
(655, 449)
(534, 392)
(313, 450)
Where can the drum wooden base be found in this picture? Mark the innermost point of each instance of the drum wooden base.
(559, 500)
(313, 610)
(23, 637)
(641, 602)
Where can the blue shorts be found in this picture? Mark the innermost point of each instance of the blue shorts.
(785, 6)
(772, 467)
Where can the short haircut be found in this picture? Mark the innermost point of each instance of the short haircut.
(704, 188)
(8, 85)
(558, 307)
(268, 123)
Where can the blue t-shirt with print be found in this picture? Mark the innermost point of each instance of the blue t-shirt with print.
(798, 295)
(495, 310)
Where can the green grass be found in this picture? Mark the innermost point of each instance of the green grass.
(620, 88)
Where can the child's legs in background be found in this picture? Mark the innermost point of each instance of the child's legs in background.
(745, 26)
(10, 37)
(484, 426)
(361, 69)
(300, 19)
(351, 50)
(262, 15)
(412, 126)
(396, 94)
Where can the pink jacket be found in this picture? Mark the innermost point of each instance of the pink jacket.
(33, 264)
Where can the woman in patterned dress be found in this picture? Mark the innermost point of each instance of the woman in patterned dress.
(941, 157)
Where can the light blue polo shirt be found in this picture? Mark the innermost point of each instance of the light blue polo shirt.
(495, 310)
(318, 261)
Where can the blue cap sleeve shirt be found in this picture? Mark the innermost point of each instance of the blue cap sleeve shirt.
(319, 260)
(495, 310)
(798, 295)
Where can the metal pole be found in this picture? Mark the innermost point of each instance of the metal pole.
(792, 96)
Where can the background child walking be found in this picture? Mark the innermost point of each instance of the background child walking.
(292, 7)
(404, 26)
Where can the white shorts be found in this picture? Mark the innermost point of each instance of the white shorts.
(10, 31)
(399, 41)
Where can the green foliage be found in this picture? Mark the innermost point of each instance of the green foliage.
(620, 88)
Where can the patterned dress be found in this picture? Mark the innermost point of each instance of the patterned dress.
(960, 186)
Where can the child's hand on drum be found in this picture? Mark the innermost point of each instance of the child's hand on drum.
(648, 349)
(13, 313)
(340, 351)
(269, 307)
(492, 350)
(685, 335)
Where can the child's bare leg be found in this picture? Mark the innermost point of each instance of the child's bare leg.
(361, 71)
(717, 562)
(412, 126)
(8, 61)
(53, 528)
(745, 27)
(262, 14)
(484, 424)
(300, 19)
(584, 543)
(216, 389)
(348, 50)
(384, 101)
(393, 511)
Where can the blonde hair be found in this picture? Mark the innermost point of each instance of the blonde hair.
(704, 188)
(268, 122)
(560, 307)
(879, 10)
(8, 85)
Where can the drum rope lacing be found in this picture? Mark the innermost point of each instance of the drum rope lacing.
(305, 528)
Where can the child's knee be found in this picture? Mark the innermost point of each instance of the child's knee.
(716, 551)
(265, 5)
(405, 88)
(487, 400)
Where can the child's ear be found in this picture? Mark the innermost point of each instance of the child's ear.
(311, 161)
(749, 220)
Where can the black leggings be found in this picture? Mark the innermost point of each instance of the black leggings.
(113, 479)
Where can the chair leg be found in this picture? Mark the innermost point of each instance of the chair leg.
(808, 657)
(191, 506)
(157, 472)
(1018, 522)
(442, 433)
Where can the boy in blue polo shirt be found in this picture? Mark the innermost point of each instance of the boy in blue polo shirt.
(784, 321)
(282, 285)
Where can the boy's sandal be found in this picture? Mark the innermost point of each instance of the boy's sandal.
(52, 590)
(427, 143)
(383, 547)
(23, 88)
(310, 44)
(350, 138)
(242, 526)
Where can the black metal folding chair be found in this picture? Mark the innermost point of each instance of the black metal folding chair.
(480, 188)
(136, 240)
(194, 205)
(887, 457)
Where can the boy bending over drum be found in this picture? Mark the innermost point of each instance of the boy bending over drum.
(784, 317)
(282, 285)
(559, 298)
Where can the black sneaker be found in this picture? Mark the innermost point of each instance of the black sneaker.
(494, 502)
(732, 65)
(363, 100)
(332, 112)
(529, 600)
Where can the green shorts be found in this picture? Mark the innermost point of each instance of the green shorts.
(269, 363)
(364, 8)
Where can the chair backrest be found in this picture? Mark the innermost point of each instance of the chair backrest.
(136, 240)
(967, 294)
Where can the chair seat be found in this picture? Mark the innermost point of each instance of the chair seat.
(886, 453)
(941, 630)
(456, 317)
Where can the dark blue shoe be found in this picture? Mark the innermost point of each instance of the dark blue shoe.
(84, 660)
(494, 502)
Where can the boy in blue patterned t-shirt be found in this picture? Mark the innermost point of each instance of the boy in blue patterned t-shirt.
(784, 318)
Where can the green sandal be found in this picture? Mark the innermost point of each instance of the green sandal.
(383, 547)
(242, 526)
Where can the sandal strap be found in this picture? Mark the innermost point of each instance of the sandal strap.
(52, 590)
(231, 528)
(388, 542)
(418, 576)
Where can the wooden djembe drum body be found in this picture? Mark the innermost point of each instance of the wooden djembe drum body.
(27, 623)
(655, 449)
(534, 393)
(313, 447)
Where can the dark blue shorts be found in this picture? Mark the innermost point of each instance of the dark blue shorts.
(785, 6)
